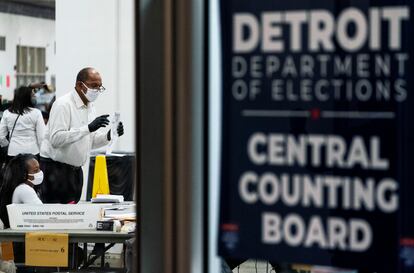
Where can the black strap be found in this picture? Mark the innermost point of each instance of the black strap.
(13, 128)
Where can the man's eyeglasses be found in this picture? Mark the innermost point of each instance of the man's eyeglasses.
(99, 89)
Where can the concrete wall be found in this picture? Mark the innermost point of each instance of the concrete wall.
(100, 34)
(25, 31)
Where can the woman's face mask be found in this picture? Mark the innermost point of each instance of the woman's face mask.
(37, 178)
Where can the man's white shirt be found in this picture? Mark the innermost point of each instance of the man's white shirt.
(67, 137)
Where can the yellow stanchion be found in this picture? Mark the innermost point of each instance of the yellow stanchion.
(100, 177)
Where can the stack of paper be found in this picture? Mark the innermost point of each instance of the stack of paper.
(107, 198)
(120, 212)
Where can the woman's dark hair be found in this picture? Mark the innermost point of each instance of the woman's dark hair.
(22, 100)
(15, 173)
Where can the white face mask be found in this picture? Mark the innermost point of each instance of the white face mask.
(38, 178)
(91, 94)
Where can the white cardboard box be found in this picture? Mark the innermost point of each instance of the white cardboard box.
(54, 216)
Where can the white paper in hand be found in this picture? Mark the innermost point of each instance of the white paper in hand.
(116, 118)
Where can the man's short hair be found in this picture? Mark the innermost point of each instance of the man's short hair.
(83, 74)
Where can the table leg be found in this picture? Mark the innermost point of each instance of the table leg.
(88, 263)
(103, 259)
(85, 253)
(72, 262)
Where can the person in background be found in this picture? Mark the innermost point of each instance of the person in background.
(29, 127)
(38, 85)
(21, 174)
(45, 96)
(72, 131)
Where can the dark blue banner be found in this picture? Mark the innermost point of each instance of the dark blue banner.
(317, 161)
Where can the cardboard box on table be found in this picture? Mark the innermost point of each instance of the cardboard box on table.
(54, 216)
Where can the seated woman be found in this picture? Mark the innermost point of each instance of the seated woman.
(22, 173)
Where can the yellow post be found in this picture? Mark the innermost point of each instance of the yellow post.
(100, 177)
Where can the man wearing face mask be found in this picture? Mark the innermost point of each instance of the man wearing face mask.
(72, 131)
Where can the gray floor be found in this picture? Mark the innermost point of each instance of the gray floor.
(257, 266)
(254, 266)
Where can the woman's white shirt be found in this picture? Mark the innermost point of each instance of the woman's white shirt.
(24, 194)
(28, 133)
